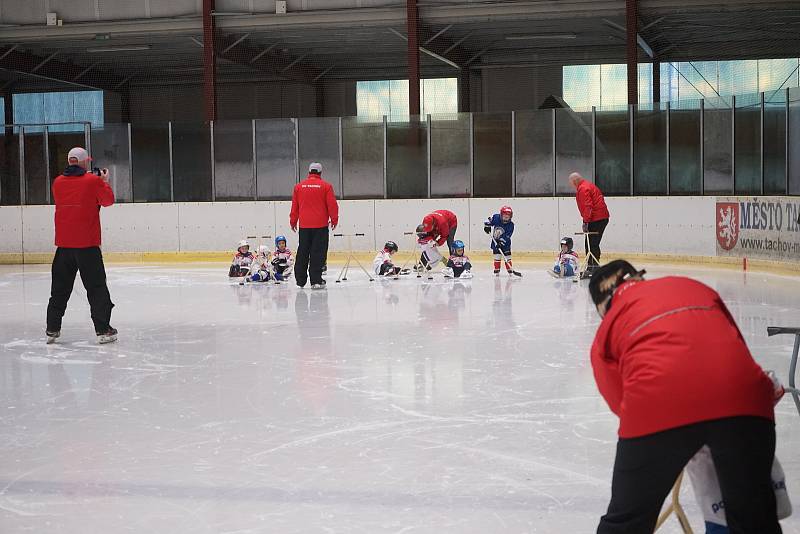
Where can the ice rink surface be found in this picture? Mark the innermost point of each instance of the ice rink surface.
(392, 406)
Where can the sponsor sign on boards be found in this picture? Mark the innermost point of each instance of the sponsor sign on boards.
(758, 227)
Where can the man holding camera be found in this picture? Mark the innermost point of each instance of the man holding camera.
(78, 195)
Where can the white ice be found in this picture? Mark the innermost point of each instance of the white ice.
(392, 406)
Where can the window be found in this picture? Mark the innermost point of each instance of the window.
(59, 107)
(390, 97)
(681, 82)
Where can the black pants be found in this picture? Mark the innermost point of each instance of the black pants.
(645, 469)
(594, 240)
(312, 254)
(66, 264)
(451, 237)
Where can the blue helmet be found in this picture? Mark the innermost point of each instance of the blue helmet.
(279, 239)
(458, 244)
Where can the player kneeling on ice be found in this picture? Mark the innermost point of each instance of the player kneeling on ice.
(567, 262)
(242, 260)
(430, 254)
(458, 266)
(282, 259)
(501, 228)
(705, 483)
(383, 264)
(260, 268)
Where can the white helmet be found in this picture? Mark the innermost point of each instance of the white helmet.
(242, 243)
(263, 250)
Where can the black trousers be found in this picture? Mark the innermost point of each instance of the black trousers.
(66, 264)
(312, 254)
(594, 240)
(451, 237)
(646, 468)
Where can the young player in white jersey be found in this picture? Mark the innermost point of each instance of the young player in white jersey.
(242, 260)
(383, 264)
(282, 259)
(260, 268)
(458, 266)
(567, 262)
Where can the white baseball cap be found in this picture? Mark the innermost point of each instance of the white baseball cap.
(78, 153)
(315, 167)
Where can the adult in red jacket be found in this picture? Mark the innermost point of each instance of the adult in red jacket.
(442, 224)
(314, 207)
(78, 196)
(594, 213)
(670, 361)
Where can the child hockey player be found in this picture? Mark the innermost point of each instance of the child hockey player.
(383, 264)
(567, 262)
(282, 259)
(259, 269)
(458, 266)
(430, 254)
(242, 260)
(501, 228)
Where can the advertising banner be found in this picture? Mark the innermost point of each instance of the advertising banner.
(766, 228)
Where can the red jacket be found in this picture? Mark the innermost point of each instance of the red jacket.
(591, 202)
(669, 354)
(440, 222)
(313, 203)
(78, 196)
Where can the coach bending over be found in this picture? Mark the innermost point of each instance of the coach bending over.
(670, 361)
(314, 206)
(78, 196)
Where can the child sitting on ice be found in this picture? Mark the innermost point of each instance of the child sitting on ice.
(282, 259)
(383, 264)
(458, 266)
(260, 266)
(567, 262)
(242, 260)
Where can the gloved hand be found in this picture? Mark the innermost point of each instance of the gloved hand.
(585, 227)
(487, 228)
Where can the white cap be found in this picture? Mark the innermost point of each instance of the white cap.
(78, 153)
(315, 167)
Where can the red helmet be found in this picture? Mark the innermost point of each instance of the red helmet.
(506, 210)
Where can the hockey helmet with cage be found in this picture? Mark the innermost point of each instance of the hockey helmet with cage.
(281, 238)
(506, 210)
(458, 245)
(243, 243)
(567, 241)
(263, 250)
(421, 232)
(391, 246)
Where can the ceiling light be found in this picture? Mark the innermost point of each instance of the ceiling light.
(119, 49)
(541, 36)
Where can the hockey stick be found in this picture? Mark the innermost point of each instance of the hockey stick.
(509, 269)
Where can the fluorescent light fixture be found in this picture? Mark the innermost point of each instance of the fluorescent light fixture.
(541, 36)
(119, 49)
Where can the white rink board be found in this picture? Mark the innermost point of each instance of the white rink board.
(686, 227)
(650, 225)
(11, 229)
(210, 227)
(38, 233)
(140, 228)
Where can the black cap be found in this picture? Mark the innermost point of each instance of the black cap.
(606, 278)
